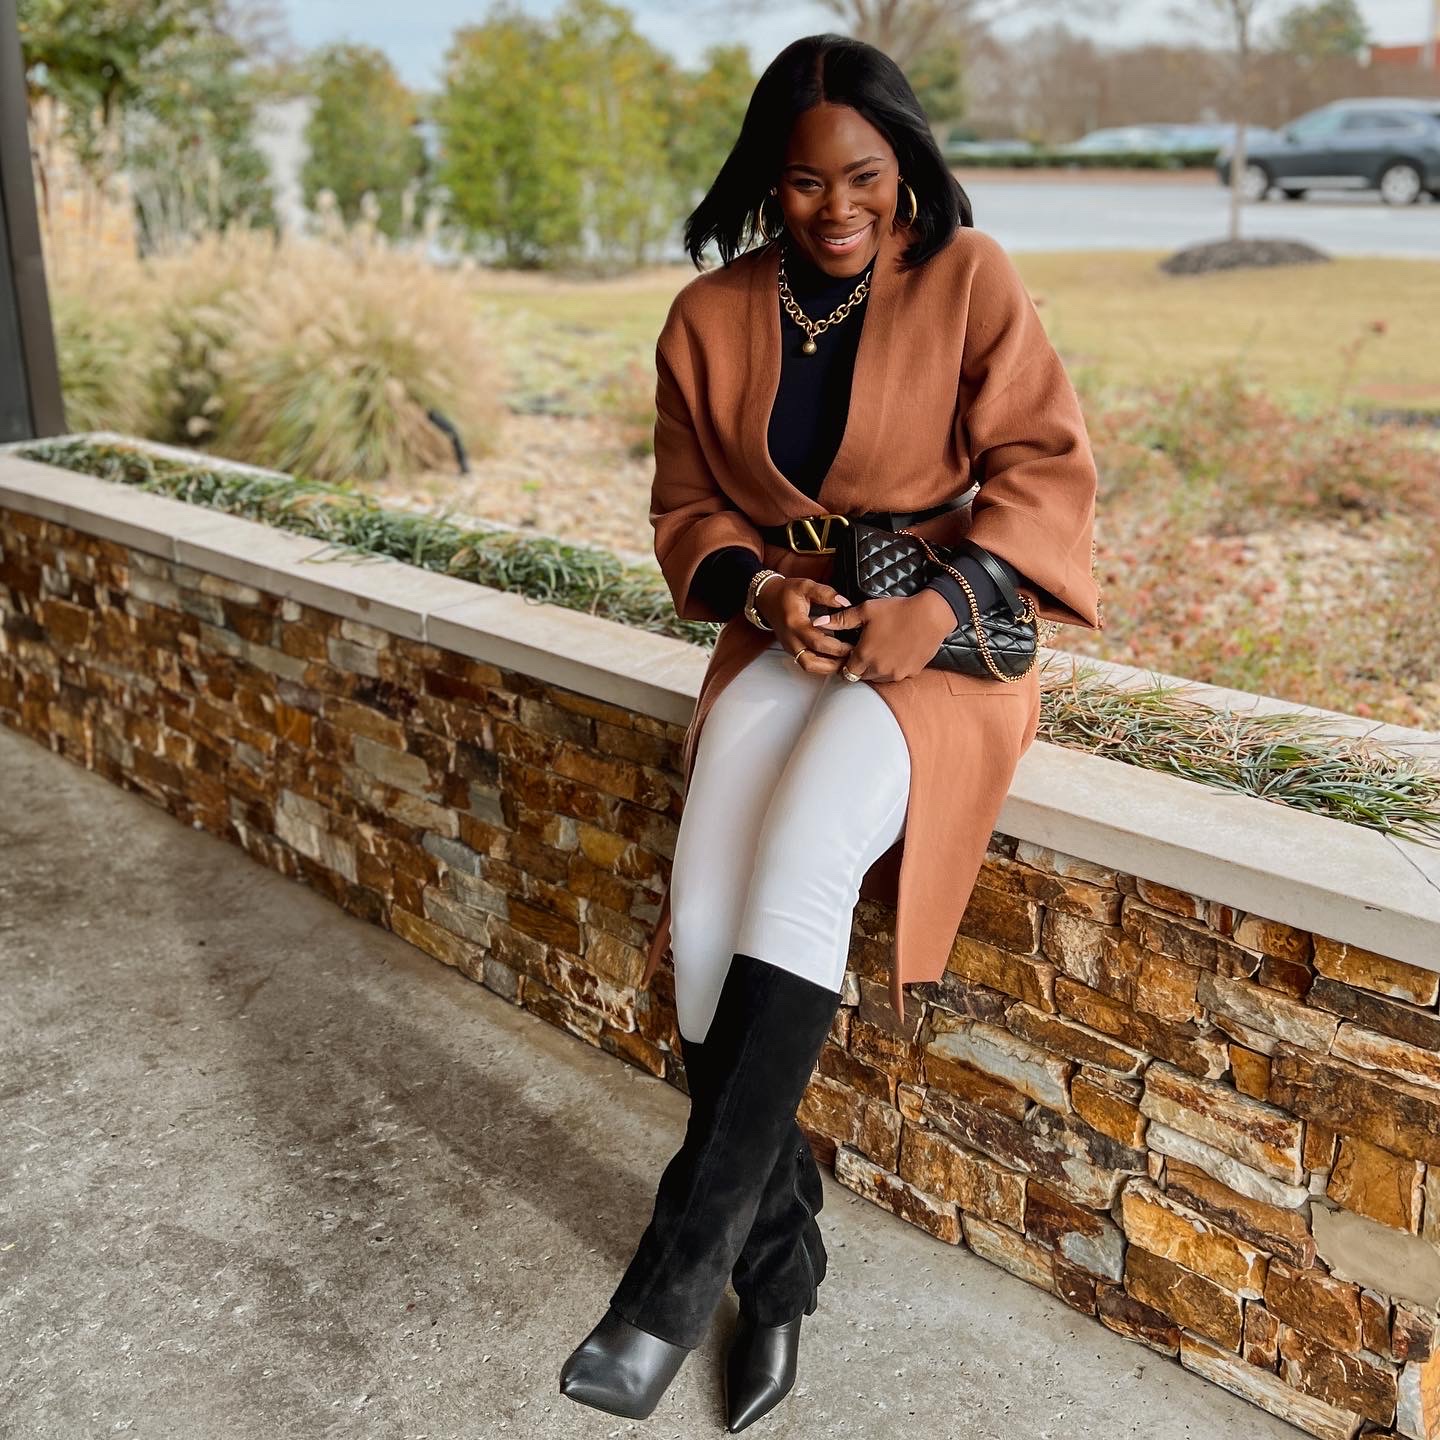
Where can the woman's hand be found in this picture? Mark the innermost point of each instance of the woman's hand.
(900, 634)
(785, 606)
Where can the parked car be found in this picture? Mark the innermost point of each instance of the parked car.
(1210, 136)
(1117, 139)
(1388, 145)
(963, 148)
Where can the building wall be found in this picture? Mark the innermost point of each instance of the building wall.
(1209, 1131)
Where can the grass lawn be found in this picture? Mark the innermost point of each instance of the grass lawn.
(1116, 318)
(1294, 330)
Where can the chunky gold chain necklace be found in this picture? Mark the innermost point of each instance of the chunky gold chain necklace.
(812, 328)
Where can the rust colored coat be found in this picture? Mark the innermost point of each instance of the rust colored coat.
(955, 382)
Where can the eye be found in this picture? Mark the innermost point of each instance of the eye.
(868, 175)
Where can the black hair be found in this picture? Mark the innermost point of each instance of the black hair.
(842, 71)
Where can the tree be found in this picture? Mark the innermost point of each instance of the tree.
(706, 110)
(164, 89)
(190, 151)
(501, 131)
(555, 138)
(909, 30)
(1327, 30)
(362, 135)
(938, 80)
(613, 80)
(87, 57)
(1235, 20)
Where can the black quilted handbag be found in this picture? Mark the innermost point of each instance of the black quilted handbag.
(872, 563)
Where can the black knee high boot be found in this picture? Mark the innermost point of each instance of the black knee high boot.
(764, 1039)
(777, 1274)
(783, 1260)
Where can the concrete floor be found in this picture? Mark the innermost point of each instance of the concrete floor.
(270, 1172)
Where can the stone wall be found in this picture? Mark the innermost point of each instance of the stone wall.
(1213, 1132)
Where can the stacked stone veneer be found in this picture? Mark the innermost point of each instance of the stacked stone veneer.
(1213, 1133)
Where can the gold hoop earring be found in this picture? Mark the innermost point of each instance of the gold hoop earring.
(764, 229)
(914, 207)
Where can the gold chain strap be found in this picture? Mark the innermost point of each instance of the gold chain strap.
(1099, 599)
(1028, 613)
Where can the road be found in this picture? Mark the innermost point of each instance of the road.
(1155, 214)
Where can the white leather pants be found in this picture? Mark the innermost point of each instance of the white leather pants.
(800, 783)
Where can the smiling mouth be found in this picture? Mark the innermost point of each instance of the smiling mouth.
(848, 241)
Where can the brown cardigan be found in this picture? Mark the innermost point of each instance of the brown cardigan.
(955, 380)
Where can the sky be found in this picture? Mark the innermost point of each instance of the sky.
(415, 35)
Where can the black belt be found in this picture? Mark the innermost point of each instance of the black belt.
(810, 534)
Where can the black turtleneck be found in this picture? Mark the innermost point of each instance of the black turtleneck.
(807, 426)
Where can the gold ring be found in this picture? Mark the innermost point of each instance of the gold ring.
(796, 656)
(847, 674)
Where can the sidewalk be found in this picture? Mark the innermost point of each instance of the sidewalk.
(271, 1172)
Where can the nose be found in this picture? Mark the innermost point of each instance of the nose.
(838, 206)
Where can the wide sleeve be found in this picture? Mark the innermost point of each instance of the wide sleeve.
(691, 514)
(1019, 420)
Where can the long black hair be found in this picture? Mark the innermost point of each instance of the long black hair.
(843, 71)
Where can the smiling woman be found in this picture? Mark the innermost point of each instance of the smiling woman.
(864, 198)
(874, 358)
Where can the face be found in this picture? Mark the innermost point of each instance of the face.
(839, 178)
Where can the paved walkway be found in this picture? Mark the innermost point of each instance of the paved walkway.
(270, 1172)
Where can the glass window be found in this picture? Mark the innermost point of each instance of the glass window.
(1317, 125)
(1388, 120)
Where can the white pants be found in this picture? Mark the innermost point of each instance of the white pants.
(800, 783)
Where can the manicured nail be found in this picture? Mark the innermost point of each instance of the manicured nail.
(823, 620)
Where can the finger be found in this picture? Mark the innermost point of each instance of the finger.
(845, 619)
(813, 663)
(819, 592)
(822, 594)
(831, 647)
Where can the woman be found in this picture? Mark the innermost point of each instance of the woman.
(876, 351)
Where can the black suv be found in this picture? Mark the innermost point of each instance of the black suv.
(1392, 146)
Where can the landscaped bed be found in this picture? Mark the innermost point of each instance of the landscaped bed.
(1293, 759)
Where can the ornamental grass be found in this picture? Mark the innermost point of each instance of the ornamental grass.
(331, 356)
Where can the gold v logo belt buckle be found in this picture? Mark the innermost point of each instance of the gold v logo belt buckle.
(817, 527)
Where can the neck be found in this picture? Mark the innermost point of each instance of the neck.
(806, 277)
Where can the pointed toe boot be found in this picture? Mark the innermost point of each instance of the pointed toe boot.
(621, 1369)
(760, 1371)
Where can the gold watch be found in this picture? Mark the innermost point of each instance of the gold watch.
(752, 593)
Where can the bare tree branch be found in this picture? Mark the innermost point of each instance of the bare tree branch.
(904, 29)
(1236, 20)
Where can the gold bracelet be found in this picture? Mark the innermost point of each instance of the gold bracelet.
(752, 594)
